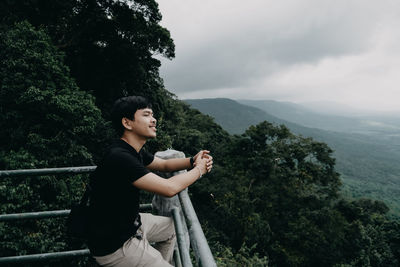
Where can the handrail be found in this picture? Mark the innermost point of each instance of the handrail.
(199, 243)
(46, 171)
(198, 240)
(50, 214)
(44, 256)
(180, 236)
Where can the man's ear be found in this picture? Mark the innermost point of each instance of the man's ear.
(126, 123)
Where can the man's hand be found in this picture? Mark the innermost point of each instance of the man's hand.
(201, 154)
(204, 154)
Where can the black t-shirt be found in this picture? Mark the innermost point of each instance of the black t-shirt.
(114, 200)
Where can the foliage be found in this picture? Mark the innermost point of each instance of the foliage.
(41, 108)
(46, 121)
(280, 193)
(244, 257)
(368, 163)
(109, 45)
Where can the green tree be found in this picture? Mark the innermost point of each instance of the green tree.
(277, 191)
(110, 48)
(109, 45)
(46, 121)
(265, 178)
(371, 239)
(42, 111)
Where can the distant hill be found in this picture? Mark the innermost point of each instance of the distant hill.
(374, 125)
(369, 167)
(231, 115)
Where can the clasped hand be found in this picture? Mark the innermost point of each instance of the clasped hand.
(204, 161)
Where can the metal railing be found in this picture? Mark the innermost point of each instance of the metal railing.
(199, 243)
(198, 240)
(180, 237)
(49, 214)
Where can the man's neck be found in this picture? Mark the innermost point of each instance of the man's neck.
(134, 141)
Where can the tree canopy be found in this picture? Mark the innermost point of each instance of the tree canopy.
(46, 121)
(41, 107)
(109, 45)
(279, 193)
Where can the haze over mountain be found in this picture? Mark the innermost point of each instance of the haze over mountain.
(379, 125)
(367, 154)
(335, 108)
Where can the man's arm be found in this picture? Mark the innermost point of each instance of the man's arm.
(169, 165)
(171, 186)
(177, 164)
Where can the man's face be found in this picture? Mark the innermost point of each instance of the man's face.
(144, 124)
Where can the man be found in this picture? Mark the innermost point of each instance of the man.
(119, 235)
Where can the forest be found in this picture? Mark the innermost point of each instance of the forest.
(273, 197)
(367, 163)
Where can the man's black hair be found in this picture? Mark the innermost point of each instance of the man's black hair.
(126, 107)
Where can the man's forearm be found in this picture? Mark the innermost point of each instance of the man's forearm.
(172, 165)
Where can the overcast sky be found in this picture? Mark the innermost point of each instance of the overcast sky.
(345, 51)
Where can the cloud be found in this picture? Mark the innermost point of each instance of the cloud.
(287, 50)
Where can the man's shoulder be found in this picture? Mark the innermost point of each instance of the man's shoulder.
(119, 152)
(120, 148)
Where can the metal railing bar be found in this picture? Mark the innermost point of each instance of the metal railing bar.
(33, 215)
(46, 171)
(50, 214)
(44, 256)
(177, 258)
(180, 237)
(198, 240)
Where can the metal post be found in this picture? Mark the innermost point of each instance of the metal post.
(180, 236)
(198, 240)
(177, 258)
(163, 205)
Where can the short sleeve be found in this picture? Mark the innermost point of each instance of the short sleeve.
(147, 158)
(128, 166)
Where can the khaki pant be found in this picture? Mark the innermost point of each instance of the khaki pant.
(135, 252)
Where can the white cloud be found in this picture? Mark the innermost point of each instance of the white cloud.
(346, 51)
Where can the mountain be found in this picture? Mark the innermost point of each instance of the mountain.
(381, 126)
(369, 166)
(231, 115)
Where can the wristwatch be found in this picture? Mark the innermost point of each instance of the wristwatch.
(191, 161)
